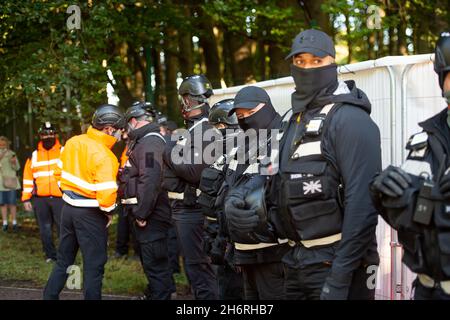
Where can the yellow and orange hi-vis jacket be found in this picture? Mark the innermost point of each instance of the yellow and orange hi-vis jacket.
(87, 171)
(38, 173)
(124, 157)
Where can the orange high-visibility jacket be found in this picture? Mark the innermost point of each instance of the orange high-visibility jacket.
(124, 157)
(38, 174)
(88, 170)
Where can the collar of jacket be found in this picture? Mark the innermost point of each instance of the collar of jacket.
(142, 131)
(55, 147)
(191, 121)
(438, 126)
(101, 137)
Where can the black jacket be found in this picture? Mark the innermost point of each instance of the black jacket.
(426, 246)
(187, 173)
(263, 255)
(351, 146)
(143, 175)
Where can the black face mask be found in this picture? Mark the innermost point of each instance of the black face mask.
(48, 143)
(259, 120)
(312, 83)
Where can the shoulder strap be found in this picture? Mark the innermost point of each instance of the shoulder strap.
(197, 123)
(156, 135)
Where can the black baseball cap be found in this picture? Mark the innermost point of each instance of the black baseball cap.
(248, 98)
(312, 41)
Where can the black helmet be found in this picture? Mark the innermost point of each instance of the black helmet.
(108, 115)
(47, 128)
(196, 88)
(196, 85)
(219, 113)
(442, 57)
(140, 108)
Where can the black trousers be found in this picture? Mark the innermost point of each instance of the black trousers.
(306, 283)
(174, 249)
(84, 229)
(423, 293)
(155, 260)
(125, 233)
(48, 213)
(230, 282)
(197, 264)
(264, 281)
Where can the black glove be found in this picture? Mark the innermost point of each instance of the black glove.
(239, 218)
(217, 252)
(336, 287)
(445, 185)
(392, 182)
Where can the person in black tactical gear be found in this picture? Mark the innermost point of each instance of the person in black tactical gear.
(217, 244)
(125, 230)
(257, 252)
(172, 241)
(329, 152)
(184, 165)
(415, 199)
(145, 200)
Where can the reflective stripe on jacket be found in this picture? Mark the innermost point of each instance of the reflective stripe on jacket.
(38, 173)
(88, 169)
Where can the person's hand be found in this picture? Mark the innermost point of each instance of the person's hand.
(28, 206)
(109, 216)
(239, 218)
(336, 287)
(392, 182)
(141, 223)
(13, 160)
(444, 185)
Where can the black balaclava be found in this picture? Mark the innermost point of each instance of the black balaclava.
(48, 143)
(313, 87)
(260, 119)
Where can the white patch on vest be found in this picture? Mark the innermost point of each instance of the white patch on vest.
(447, 209)
(420, 153)
(312, 187)
(307, 149)
(314, 125)
(419, 138)
(417, 168)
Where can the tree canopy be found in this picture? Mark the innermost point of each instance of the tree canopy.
(143, 49)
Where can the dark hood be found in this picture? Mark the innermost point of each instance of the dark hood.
(137, 134)
(355, 97)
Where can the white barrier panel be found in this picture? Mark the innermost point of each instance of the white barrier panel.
(403, 91)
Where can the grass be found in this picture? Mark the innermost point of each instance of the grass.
(22, 260)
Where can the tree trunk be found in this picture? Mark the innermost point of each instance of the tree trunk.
(159, 83)
(208, 42)
(260, 60)
(186, 50)
(349, 44)
(241, 59)
(320, 18)
(171, 68)
(278, 66)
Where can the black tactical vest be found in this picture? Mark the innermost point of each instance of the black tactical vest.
(421, 216)
(309, 204)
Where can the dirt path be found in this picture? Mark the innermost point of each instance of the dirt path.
(23, 290)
